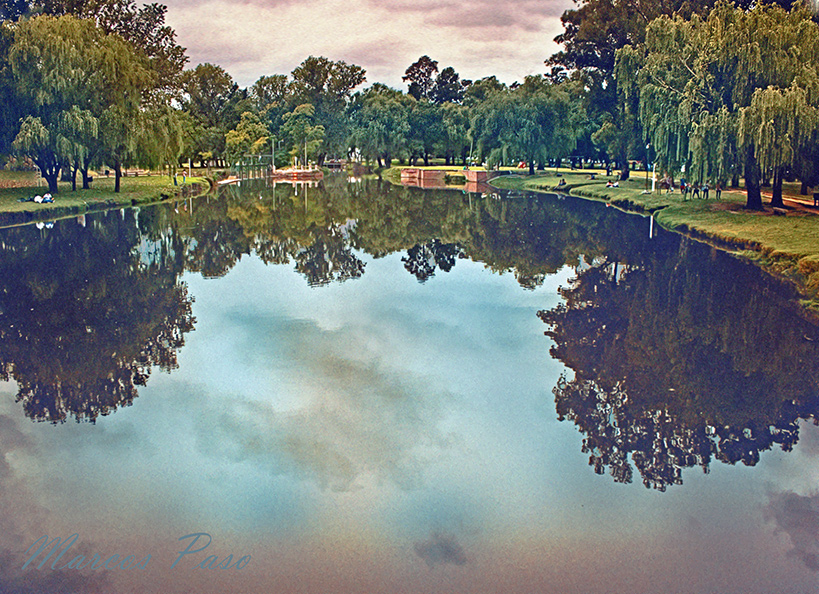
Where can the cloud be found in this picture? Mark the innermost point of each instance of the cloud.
(798, 516)
(441, 549)
(478, 39)
(356, 418)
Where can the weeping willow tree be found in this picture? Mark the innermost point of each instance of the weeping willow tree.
(532, 122)
(781, 124)
(81, 90)
(160, 135)
(733, 91)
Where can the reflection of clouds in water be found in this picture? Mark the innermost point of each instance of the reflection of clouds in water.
(798, 516)
(22, 521)
(358, 418)
(440, 549)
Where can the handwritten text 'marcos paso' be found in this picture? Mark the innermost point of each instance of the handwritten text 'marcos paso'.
(44, 549)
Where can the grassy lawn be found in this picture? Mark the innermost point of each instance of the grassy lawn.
(786, 244)
(133, 190)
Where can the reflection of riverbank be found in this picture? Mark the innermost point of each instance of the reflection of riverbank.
(782, 241)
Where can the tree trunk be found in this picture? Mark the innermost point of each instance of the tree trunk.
(426, 159)
(74, 178)
(49, 169)
(776, 194)
(86, 179)
(735, 180)
(803, 189)
(117, 174)
(531, 167)
(625, 172)
(752, 175)
(51, 177)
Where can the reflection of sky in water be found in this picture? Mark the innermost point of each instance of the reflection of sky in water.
(383, 435)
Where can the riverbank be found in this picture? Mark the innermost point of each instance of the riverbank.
(785, 242)
(134, 191)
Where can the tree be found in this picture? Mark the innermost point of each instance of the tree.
(481, 89)
(269, 91)
(426, 128)
(448, 87)
(727, 91)
(144, 28)
(327, 86)
(69, 74)
(531, 122)
(592, 34)
(381, 124)
(454, 127)
(11, 10)
(212, 99)
(782, 125)
(421, 77)
(161, 139)
(249, 136)
(305, 136)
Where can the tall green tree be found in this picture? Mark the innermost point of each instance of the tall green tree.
(69, 74)
(306, 136)
(328, 87)
(734, 89)
(421, 77)
(593, 32)
(531, 122)
(426, 128)
(143, 27)
(249, 136)
(215, 104)
(381, 123)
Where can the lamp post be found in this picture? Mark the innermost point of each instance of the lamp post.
(273, 143)
(647, 147)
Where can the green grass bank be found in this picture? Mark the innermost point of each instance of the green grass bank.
(134, 191)
(785, 242)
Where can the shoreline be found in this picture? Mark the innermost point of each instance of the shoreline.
(135, 191)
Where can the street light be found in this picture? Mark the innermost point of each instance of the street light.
(273, 143)
(647, 147)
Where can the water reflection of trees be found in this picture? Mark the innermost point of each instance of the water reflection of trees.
(682, 357)
(423, 259)
(681, 354)
(320, 229)
(86, 312)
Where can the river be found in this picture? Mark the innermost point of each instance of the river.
(362, 388)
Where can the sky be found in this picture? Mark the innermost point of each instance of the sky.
(253, 38)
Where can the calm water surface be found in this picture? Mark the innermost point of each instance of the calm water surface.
(372, 389)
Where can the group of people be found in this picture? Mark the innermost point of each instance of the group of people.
(38, 199)
(699, 191)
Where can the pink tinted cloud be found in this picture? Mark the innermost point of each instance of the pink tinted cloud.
(251, 38)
